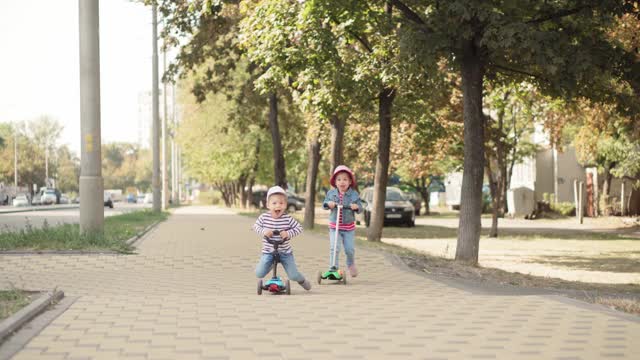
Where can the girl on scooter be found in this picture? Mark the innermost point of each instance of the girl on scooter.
(345, 193)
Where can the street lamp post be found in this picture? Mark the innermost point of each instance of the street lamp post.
(155, 107)
(15, 159)
(165, 180)
(91, 183)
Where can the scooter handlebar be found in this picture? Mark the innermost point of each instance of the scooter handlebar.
(275, 232)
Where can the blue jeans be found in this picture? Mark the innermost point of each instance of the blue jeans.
(288, 262)
(347, 238)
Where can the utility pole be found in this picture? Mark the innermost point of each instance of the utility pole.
(46, 164)
(165, 179)
(155, 107)
(174, 155)
(91, 184)
(15, 159)
(179, 174)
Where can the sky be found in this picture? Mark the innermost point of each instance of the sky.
(39, 67)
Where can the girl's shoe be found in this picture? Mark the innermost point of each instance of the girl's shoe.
(352, 270)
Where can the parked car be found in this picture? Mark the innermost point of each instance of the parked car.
(36, 200)
(132, 199)
(148, 198)
(49, 197)
(21, 200)
(107, 199)
(397, 208)
(64, 199)
(258, 199)
(415, 199)
(294, 201)
(5, 199)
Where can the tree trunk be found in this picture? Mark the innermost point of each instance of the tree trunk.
(337, 140)
(226, 195)
(471, 193)
(312, 175)
(633, 206)
(424, 192)
(606, 190)
(497, 178)
(249, 199)
(385, 101)
(242, 183)
(501, 196)
(254, 173)
(507, 183)
(495, 201)
(280, 171)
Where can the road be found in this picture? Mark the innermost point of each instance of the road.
(19, 220)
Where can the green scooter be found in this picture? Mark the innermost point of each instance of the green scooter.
(334, 273)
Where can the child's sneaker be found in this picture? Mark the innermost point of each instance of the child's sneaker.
(352, 270)
(305, 284)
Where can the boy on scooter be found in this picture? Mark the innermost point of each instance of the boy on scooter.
(288, 227)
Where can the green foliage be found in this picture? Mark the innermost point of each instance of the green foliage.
(564, 208)
(606, 139)
(35, 138)
(67, 170)
(126, 165)
(211, 197)
(12, 301)
(564, 48)
(221, 141)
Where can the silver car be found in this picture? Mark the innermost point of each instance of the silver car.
(21, 200)
(48, 198)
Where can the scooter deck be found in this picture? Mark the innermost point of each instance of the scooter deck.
(332, 275)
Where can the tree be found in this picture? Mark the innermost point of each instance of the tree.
(6, 152)
(513, 111)
(36, 142)
(67, 170)
(332, 51)
(211, 28)
(222, 141)
(605, 140)
(559, 46)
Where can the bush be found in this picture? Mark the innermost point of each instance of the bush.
(564, 208)
(210, 197)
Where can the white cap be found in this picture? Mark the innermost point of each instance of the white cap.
(275, 190)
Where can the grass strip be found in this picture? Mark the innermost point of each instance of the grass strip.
(11, 301)
(117, 229)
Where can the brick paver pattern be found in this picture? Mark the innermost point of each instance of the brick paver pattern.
(190, 293)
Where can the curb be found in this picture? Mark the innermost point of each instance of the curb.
(15, 321)
(39, 208)
(131, 241)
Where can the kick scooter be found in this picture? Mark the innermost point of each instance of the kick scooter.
(275, 285)
(334, 273)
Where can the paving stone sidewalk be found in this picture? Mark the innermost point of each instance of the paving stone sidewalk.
(190, 293)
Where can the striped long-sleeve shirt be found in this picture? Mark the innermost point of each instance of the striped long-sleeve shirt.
(284, 222)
